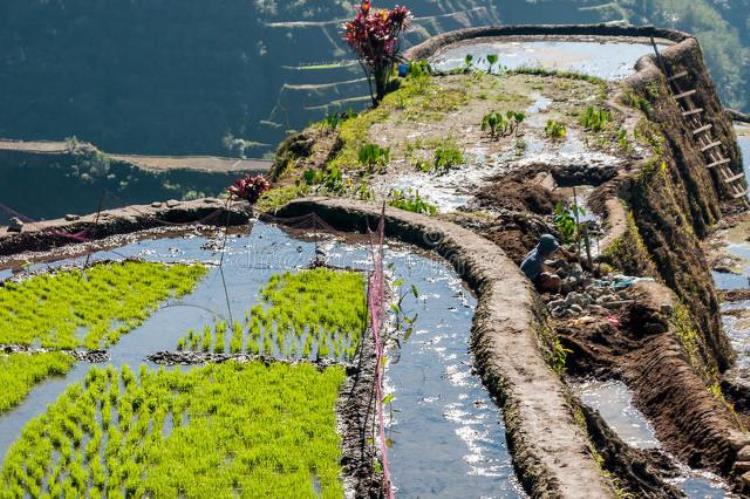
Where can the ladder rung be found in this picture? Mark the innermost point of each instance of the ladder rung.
(681, 74)
(711, 146)
(740, 194)
(685, 94)
(734, 178)
(719, 163)
(693, 111)
(703, 129)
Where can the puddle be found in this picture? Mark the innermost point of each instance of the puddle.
(614, 401)
(606, 60)
(439, 404)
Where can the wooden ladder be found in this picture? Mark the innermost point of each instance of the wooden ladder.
(735, 184)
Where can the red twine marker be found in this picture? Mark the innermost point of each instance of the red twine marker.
(376, 309)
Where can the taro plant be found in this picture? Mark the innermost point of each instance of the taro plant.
(555, 130)
(515, 118)
(374, 36)
(491, 61)
(495, 123)
(595, 119)
(468, 62)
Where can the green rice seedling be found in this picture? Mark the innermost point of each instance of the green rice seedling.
(20, 372)
(267, 441)
(104, 301)
(207, 337)
(235, 344)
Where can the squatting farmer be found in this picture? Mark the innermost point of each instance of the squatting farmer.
(534, 268)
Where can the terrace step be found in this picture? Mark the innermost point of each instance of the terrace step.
(685, 94)
(691, 112)
(711, 146)
(719, 163)
(703, 129)
(677, 76)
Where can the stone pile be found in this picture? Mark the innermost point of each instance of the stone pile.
(584, 295)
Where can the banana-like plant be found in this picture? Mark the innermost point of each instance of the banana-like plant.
(496, 123)
(491, 60)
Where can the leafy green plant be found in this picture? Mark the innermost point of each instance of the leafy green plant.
(411, 201)
(565, 222)
(468, 61)
(491, 60)
(595, 119)
(373, 155)
(447, 156)
(99, 304)
(496, 123)
(555, 130)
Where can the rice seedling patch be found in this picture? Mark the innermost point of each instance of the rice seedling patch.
(91, 308)
(312, 314)
(19, 372)
(234, 430)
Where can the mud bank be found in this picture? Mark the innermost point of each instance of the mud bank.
(47, 235)
(507, 336)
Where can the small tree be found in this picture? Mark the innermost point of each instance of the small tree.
(374, 35)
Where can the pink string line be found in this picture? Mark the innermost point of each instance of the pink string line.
(376, 309)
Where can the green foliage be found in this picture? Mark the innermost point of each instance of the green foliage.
(419, 69)
(495, 122)
(411, 201)
(215, 431)
(555, 130)
(90, 308)
(595, 119)
(19, 372)
(565, 221)
(274, 199)
(373, 156)
(447, 156)
(315, 313)
(499, 124)
(491, 61)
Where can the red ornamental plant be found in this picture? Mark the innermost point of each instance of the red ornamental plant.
(249, 188)
(374, 35)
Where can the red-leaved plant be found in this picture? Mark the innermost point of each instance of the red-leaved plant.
(374, 35)
(249, 188)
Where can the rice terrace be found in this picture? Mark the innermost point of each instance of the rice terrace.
(436, 253)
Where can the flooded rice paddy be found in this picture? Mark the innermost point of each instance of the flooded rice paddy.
(438, 402)
(609, 60)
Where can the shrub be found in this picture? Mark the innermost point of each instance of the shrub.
(374, 36)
